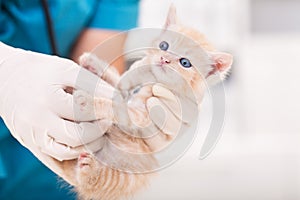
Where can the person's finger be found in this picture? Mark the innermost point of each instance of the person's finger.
(38, 139)
(96, 145)
(63, 105)
(162, 116)
(76, 134)
(168, 99)
(60, 151)
(185, 109)
(80, 106)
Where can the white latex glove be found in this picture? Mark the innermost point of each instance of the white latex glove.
(172, 115)
(38, 111)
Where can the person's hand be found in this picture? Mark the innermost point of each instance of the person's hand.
(40, 113)
(170, 114)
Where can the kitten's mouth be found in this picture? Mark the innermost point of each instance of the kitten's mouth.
(161, 66)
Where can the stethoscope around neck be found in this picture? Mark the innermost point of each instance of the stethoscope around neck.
(49, 27)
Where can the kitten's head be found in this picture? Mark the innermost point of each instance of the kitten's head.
(187, 51)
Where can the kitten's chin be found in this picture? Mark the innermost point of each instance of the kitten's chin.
(159, 72)
(160, 67)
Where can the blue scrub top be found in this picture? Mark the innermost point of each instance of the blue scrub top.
(22, 24)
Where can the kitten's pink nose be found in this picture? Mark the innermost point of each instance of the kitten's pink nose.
(163, 60)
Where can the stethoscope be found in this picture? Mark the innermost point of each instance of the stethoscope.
(49, 27)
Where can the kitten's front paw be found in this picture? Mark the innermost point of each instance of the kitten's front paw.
(92, 63)
(99, 67)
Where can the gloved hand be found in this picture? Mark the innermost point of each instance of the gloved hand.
(39, 112)
(171, 114)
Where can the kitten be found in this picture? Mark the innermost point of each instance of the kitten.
(111, 173)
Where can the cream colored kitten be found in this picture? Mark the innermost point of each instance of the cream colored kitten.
(111, 173)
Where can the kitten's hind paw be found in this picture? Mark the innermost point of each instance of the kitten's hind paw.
(87, 171)
(84, 160)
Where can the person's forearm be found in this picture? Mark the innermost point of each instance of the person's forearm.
(91, 38)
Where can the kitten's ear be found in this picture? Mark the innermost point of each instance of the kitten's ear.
(172, 16)
(221, 64)
(221, 61)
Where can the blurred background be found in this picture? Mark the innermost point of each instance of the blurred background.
(258, 155)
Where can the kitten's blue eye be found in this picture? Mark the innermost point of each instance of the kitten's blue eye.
(185, 62)
(164, 46)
